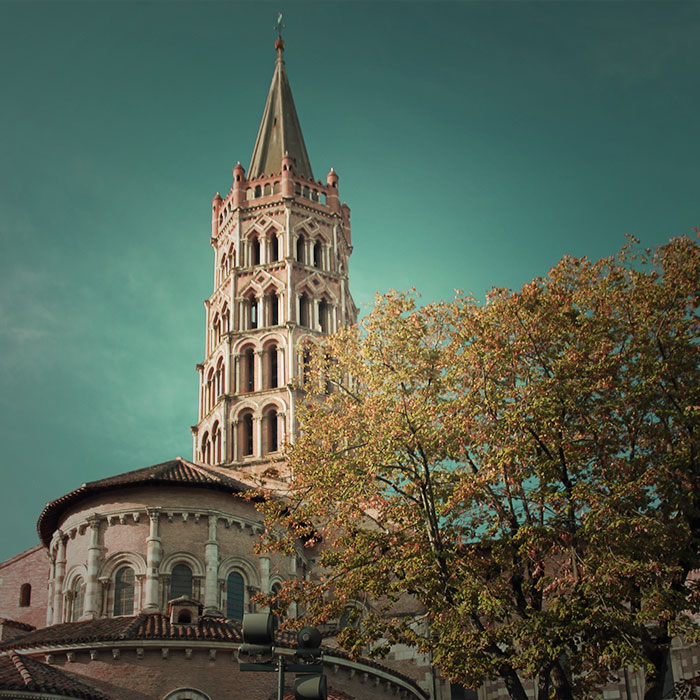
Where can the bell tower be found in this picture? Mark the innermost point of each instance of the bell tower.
(281, 245)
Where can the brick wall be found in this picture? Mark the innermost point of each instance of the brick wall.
(30, 567)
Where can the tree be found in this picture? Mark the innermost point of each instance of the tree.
(525, 469)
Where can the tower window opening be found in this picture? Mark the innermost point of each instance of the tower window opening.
(300, 249)
(258, 191)
(271, 441)
(255, 249)
(216, 443)
(323, 315)
(273, 309)
(247, 435)
(318, 251)
(297, 189)
(253, 312)
(25, 595)
(181, 581)
(235, 596)
(225, 319)
(304, 308)
(211, 390)
(249, 384)
(272, 367)
(206, 449)
(124, 591)
(274, 248)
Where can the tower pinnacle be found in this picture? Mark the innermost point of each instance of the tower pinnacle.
(280, 131)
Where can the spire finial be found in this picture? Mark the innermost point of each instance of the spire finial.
(279, 44)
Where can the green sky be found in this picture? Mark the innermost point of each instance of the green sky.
(476, 142)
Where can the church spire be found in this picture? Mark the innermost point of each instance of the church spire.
(279, 131)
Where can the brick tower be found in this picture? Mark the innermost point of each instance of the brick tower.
(281, 245)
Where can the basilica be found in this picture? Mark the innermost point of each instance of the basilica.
(140, 581)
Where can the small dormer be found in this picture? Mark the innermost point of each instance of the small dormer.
(184, 611)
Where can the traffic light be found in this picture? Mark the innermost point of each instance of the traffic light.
(310, 687)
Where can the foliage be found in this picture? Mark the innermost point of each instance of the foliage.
(512, 486)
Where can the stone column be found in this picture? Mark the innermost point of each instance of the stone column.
(52, 576)
(264, 564)
(281, 371)
(211, 582)
(258, 384)
(92, 588)
(60, 574)
(153, 554)
(257, 435)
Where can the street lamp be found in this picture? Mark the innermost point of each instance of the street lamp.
(258, 640)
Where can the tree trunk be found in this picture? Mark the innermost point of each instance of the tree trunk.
(561, 682)
(659, 657)
(543, 686)
(513, 683)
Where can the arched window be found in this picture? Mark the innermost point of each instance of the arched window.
(270, 436)
(255, 251)
(273, 312)
(274, 247)
(304, 308)
(275, 589)
(300, 248)
(206, 449)
(253, 312)
(225, 319)
(272, 381)
(78, 599)
(323, 315)
(216, 443)
(235, 596)
(181, 581)
(210, 388)
(25, 595)
(247, 436)
(219, 378)
(124, 591)
(258, 190)
(217, 329)
(318, 250)
(249, 370)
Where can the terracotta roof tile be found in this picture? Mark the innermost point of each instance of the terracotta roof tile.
(19, 672)
(157, 626)
(177, 472)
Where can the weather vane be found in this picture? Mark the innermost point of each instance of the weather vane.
(279, 26)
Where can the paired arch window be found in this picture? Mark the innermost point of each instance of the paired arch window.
(253, 312)
(78, 603)
(301, 242)
(25, 595)
(318, 255)
(181, 581)
(274, 247)
(124, 591)
(235, 596)
(216, 443)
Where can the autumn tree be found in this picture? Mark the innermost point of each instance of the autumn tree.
(525, 469)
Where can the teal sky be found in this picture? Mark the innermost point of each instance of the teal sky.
(476, 142)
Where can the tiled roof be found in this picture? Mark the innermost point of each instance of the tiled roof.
(158, 627)
(143, 626)
(16, 624)
(24, 673)
(176, 472)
